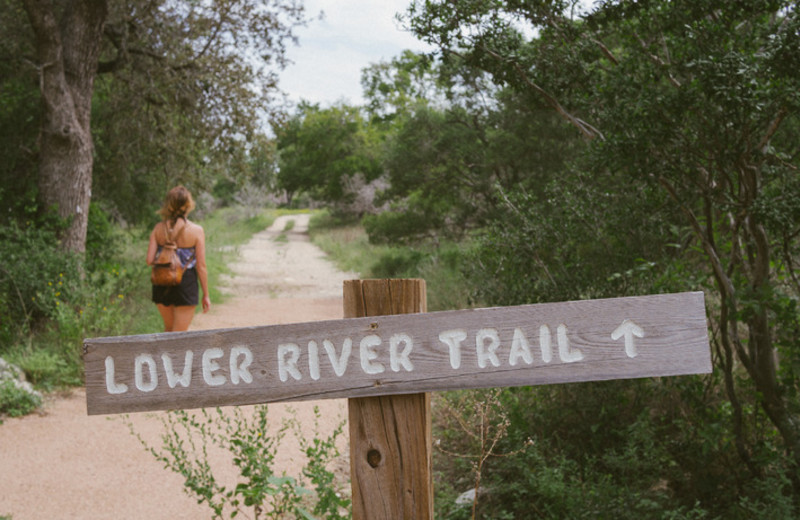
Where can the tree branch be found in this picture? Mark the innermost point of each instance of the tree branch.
(658, 61)
(773, 128)
(585, 128)
(605, 50)
(723, 280)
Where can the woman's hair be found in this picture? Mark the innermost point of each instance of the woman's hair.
(178, 204)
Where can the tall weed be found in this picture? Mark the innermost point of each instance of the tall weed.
(190, 437)
(15, 402)
(321, 453)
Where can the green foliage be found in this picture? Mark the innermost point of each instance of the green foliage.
(321, 453)
(245, 436)
(320, 149)
(251, 447)
(20, 111)
(15, 402)
(47, 369)
(349, 247)
(447, 162)
(393, 88)
(30, 262)
(626, 449)
(88, 307)
(563, 243)
(173, 100)
(224, 191)
(470, 427)
(686, 180)
(102, 238)
(405, 222)
(176, 103)
(435, 158)
(396, 262)
(73, 308)
(51, 300)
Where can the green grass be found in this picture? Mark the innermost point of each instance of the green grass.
(346, 243)
(348, 246)
(15, 402)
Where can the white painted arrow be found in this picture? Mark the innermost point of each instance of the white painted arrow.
(628, 329)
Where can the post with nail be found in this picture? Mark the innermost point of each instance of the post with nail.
(390, 436)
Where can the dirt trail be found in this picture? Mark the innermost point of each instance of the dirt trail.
(63, 464)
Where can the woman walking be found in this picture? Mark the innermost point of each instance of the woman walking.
(177, 303)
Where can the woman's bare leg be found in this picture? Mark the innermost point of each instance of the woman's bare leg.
(182, 317)
(167, 315)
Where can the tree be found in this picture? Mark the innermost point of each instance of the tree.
(397, 86)
(694, 103)
(455, 144)
(19, 109)
(187, 84)
(319, 150)
(187, 90)
(67, 45)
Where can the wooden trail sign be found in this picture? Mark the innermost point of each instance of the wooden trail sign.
(590, 340)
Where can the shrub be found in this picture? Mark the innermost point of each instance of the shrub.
(15, 401)
(102, 240)
(321, 452)
(50, 300)
(45, 368)
(396, 262)
(403, 226)
(190, 436)
(29, 261)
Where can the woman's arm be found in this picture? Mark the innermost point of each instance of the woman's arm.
(202, 270)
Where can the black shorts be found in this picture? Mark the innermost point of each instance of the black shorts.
(183, 294)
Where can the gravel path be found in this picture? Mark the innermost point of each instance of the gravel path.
(63, 464)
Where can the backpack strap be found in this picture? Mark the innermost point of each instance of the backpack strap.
(178, 236)
(180, 232)
(168, 233)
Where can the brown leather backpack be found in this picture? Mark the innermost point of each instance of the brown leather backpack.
(167, 268)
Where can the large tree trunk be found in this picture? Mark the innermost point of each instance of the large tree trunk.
(68, 38)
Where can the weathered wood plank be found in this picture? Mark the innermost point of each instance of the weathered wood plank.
(391, 443)
(590, 340)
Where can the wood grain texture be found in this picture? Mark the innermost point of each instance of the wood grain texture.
(674, 341)
(390, 436)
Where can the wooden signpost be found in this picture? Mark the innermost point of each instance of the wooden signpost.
(391, 443)
(379, 350)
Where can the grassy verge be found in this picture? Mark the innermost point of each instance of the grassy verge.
(113, 298)
(349, 248)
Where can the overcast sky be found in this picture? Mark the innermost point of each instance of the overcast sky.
(332, 51)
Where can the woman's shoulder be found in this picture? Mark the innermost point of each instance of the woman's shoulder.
(193, 227)
(159, 231)
(193, 231)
